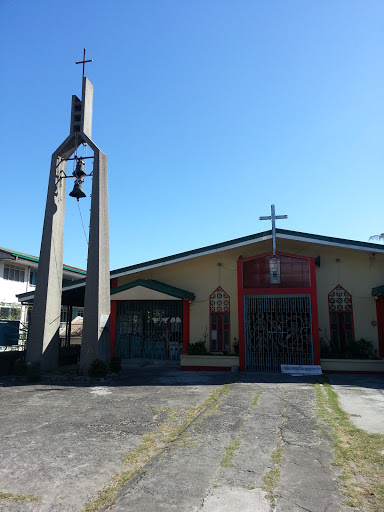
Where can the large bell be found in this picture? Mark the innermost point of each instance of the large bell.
(77, 190)
(79, 171)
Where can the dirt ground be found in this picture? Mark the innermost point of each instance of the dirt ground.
(188, 441)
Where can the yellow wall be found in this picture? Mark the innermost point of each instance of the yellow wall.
(357, 272)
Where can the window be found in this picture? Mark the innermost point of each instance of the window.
(75, 312)
(12, 273)
(340, 317)
(10, 311)
(219, 321)
(274, 270)
(63, 316)
(281, 271)
(32, 277)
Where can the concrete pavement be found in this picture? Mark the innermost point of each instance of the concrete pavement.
(361, 396)
(65, 443)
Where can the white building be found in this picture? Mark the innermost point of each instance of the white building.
(18, 275)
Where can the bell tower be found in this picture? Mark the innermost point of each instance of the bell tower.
(43, 335)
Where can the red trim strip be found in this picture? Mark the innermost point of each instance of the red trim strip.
(240, 302)
(185, 326)
(277, 291)
(314, 314)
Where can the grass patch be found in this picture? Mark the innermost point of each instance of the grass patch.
(255, 400)
(230, 450)
(9, 496)
(356, 452)
(271, 478)
(277, 456)
(152, 444)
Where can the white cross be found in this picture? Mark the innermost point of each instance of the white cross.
(273, 218)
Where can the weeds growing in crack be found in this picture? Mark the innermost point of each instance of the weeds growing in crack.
(358, 453)
(9, 496)
(230, 451)
(186, 439)
(255, 400)
(277, 456)
(153, 444)
(271, 478)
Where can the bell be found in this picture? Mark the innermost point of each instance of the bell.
(77, 190)
(79, 171)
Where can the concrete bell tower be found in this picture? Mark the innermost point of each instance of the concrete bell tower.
(43, 335)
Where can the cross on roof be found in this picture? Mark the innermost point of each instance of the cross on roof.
(83, 62)
(273, 218)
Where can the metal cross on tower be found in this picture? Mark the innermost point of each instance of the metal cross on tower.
(83, 62)
(273, 218)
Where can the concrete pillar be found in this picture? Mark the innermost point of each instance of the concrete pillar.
(96, 336)
(43, 335)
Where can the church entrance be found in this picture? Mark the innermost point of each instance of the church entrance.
(277, 311)
(149, 329)
(278, 330)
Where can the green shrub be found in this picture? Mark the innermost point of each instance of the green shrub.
(355, 349)
(197, 349)
(97, 369)
(115, 364)
(361, 349)
(19, 368)
(33, 371)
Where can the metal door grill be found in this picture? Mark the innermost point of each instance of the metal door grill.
(149, 329)
(277, 331)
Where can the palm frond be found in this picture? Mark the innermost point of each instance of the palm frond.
(377, 237)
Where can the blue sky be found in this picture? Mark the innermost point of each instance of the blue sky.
(208, 111)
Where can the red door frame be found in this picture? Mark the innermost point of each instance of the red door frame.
(311, 291)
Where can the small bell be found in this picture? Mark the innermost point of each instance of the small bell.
(79, 171)
(77, 190)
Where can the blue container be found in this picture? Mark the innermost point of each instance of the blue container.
(9, 332)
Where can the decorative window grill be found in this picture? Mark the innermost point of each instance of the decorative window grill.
(219, 307)
(219, 301)
(341, 318)
(340, 300)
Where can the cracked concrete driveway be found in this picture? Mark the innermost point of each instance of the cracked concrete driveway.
(250, 442)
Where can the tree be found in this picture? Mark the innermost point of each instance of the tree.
(380, 237)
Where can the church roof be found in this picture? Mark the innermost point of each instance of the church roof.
(250, 239)
(230, 244)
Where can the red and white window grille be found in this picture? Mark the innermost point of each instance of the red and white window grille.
(340, 317)
(219, 333)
